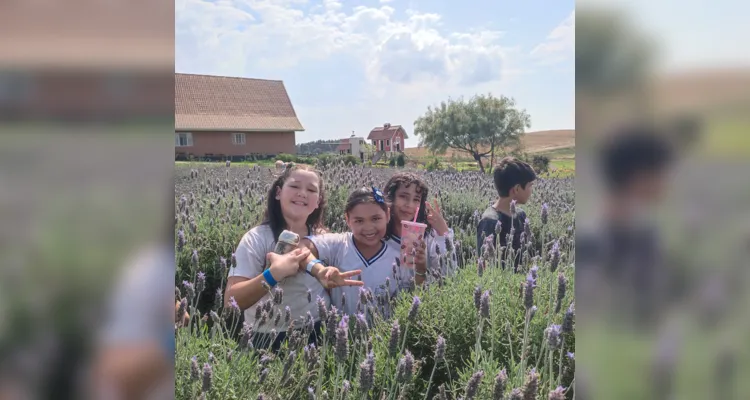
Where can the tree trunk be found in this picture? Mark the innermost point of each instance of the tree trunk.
(478, 159)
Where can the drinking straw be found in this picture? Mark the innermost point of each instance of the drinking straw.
(415, 214)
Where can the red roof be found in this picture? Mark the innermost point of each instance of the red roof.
(380, 132)
(344, 145)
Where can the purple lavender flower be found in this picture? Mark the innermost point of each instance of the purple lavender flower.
(555, 256)
(346, 388)
(473, 385)
(343, 299)
(195, 256)
(477, 297)
(258, 311)
(277, 319)
(516, 394)
(367, 373)
(480, 266)
(557, 394)
(361, 324)
(527, 228)
(222, 265)
(180, 240)
(194, 369)
(532, 312)
(561, 288)
(234, 307)
(567, 325)
(501, 380)
(388, 283)
(484, 305)
(531, 387)
(440, 349)
(234, 260)
(263, 319)
(208, 376)
(246, 333)
(414, 309)
(545, 213)
(211, 358)
(214, 317)
(322, 309)
(342, 340)
(218, 299)
(287, 314)
(278, 295)
(405, 368)
(265, 286)
(442, 395)
(332, 322)
(393, 342)
(189, 289)
(571, 356)
(498, 228)
(200, 282)
(552, 334)
(513, 207)
(288, 365)
(534, 271)
(309, 296)
(528, 296)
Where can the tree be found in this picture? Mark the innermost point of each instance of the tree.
(478, 127)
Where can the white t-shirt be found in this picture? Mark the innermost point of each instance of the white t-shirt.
(339, 250)
(434, 245)
(251, 262)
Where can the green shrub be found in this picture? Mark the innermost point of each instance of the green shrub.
(540, 163)
(401, 160)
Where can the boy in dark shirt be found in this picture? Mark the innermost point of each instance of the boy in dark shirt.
(514, 182)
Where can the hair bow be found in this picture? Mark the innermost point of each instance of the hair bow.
(378, 195)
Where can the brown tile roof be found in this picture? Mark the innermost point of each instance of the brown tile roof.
(218, 103)
(344, 145)
(380, 132)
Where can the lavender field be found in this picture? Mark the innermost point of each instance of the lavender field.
(485, 333)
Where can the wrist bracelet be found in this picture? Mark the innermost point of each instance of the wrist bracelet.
(311, 264)
(269, 278)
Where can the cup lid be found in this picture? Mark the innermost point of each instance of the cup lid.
(419, 224)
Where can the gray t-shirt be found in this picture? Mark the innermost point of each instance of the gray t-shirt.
(251, 262)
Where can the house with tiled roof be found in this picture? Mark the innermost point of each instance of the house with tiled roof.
(227, 117)
(388, 139)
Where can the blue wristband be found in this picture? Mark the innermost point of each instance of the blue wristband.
(269, 278)
(311, 264)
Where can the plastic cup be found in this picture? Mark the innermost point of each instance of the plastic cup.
(411, 232)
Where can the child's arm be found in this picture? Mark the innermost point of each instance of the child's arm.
(329, 277)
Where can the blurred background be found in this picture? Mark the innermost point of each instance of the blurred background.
(86, 136)
(663, 231)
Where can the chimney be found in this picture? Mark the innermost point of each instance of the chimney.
(352, 134)
(387, 125)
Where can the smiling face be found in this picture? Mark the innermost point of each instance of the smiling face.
(406, 200)
(299, 196)
(368, 223)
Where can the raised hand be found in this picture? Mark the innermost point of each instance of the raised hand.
(283, 266)
(331, 277)
(435, 217)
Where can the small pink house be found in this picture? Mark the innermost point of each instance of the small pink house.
(388, 138)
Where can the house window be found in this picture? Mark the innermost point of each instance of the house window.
(183, 139)
(398, 146)
(388, 142)
(238, 138)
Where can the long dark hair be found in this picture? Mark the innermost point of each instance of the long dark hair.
(367, 196)
(405, 179)
(275, 218)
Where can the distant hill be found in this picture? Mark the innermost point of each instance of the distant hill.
(318, 147)
(534, 142)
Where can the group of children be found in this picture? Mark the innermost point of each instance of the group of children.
(331, 268)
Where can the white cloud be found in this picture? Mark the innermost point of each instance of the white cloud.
(560, 43)
(228, 36)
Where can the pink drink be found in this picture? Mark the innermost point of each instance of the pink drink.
(411, 232)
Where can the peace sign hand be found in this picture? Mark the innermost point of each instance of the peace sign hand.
(331, 277)
(435, 217)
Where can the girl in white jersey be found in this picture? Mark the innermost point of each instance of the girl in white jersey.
(364, 249)
(406, 192)
(296, 202)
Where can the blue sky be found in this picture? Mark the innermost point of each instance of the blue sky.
(353, 65)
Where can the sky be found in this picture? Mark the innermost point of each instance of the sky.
(353, 65)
